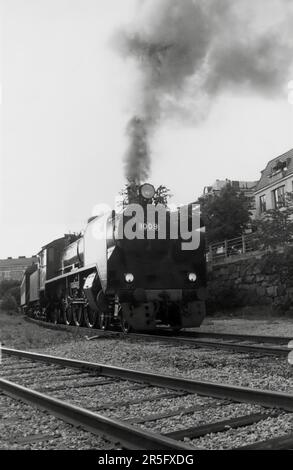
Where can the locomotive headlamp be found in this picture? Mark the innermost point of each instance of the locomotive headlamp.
(147, 191)
(192, 277)
(129, 278)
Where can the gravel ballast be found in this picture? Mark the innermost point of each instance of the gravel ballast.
(246, 369)
(269, 428)
(249, 370)
(24, 427)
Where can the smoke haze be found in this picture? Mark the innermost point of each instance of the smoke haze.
(187, 52)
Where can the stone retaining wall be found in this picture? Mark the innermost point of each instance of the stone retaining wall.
(260, 280)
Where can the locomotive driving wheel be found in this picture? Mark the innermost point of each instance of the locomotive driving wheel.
(103, 307)
(67, 314)
(77, 314)
(55, 313)
(90, 317)
(125, 325)
(104, 321)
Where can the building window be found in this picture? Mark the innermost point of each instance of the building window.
(279, 197)
(280, 166)
(262, 204)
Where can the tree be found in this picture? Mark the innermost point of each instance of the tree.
(275, 228)
(7, 285)
(15, 292)
(225, 215)
(162, 196)
(131, 194)
(9, 303)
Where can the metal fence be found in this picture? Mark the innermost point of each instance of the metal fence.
(218, 252)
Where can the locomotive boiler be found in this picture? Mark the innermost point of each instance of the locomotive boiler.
(122, 271)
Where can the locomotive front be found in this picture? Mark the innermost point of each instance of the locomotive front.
(149, 269)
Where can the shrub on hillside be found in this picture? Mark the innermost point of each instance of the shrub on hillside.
(229, 297)
(9, 303)
(15, 292)
(6, 285)
(10, 288)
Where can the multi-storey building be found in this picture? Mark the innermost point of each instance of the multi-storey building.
(14, 268)
(275, 183)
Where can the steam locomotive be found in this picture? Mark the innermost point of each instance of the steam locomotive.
(102, 279)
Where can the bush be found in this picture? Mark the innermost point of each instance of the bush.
(7, 285)
(15, 292)
(224, 297)
(9, 303)
(10, 288)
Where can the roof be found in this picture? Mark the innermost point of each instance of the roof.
(238, 185)
(16, 262)
(277, 169)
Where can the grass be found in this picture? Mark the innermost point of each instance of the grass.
(16, 332)
(249, 320)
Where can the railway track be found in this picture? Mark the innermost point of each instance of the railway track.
(263, 345)
(238, 343)
(282, 340)
(122, 404)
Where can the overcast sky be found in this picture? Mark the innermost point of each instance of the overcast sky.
(65, 96)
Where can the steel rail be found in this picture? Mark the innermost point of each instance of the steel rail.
(120, 432)
(213, 344)
(188, 338)
(237, 336)
(236, 393)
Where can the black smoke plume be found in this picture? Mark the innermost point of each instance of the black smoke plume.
(189, 51)
(137, 162)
